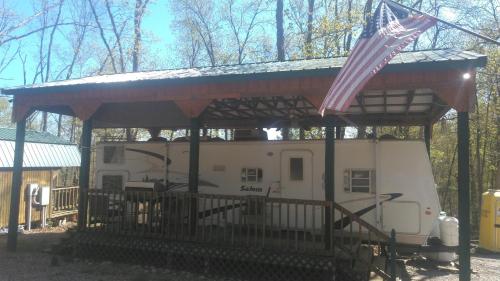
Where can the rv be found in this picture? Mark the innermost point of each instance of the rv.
(388, 183)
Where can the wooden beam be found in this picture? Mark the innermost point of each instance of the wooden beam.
(193, 108)
(85, 144)
(85, 109)
(463, 196)
(273, 107)
(17, 181)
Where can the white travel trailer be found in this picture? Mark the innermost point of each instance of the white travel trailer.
(388, 183)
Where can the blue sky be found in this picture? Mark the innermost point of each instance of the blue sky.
(156, 22)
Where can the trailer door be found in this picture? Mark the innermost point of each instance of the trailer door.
(296, 174)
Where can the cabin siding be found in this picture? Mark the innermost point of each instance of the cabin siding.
(40, 177)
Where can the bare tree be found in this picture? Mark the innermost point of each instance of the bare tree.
(243, 21)
(280, 46)
(280, 33)
(310, 16)
(140, 8)
(199, 17)
(103, 35)
(117, 35)
(13, 29)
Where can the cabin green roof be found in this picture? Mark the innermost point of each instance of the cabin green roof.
(9, 134)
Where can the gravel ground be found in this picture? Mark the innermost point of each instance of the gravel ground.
(484, 267)
(33, 262)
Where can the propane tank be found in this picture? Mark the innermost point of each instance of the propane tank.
(446, 229)
(436, 228)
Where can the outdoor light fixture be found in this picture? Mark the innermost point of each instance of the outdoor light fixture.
(466, 76)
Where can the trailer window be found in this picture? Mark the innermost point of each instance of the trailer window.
(359, 180)
(112, 182)
(251, 175)
(113, 154)
(296, 169)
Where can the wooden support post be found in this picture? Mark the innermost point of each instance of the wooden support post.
(194, 155)
(427, 138)
(463, 196)
(194, 163)
(329, 177)
(85, 144)
(285, 133)
(17, 181)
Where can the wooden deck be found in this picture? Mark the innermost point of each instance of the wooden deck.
(250, 226)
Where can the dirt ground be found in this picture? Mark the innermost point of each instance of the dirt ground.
(484, 267)
(33, 261)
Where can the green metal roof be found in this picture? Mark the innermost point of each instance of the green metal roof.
(420, 60)
(9, 134)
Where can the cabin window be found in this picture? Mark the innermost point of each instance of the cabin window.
(113, 154)
(359, 180)
(251, 175)
(296, 169)
(112, 182)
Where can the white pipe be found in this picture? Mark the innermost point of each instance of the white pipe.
(28, 219)
(377, 184)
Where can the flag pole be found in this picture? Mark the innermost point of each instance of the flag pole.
(446, 22)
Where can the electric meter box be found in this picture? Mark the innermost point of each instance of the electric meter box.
(489, 231)
(44, 195)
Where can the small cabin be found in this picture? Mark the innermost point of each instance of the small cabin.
(49, 161)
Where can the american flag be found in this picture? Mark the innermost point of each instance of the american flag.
(389, 31)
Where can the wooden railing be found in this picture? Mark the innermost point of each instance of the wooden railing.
(286, 225)
(64, 201)
(362, 242)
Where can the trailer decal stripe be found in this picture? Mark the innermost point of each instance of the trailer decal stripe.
(153, 154)
(214, 211)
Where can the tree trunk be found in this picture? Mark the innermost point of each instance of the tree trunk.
(348, 36)
(280, 37)
(59, 125)
(44, 121)
(310, 17)
(137, 35)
